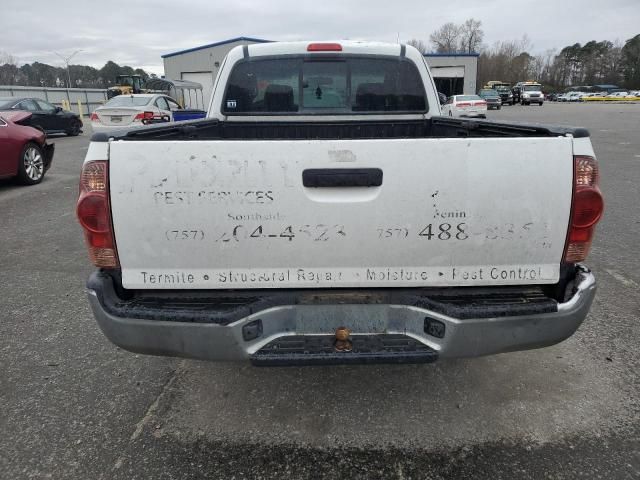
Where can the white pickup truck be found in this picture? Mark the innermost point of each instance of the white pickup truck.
(326, 213)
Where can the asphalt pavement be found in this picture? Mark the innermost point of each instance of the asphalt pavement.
(73, 406)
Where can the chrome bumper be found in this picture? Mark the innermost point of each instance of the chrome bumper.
(467, 337)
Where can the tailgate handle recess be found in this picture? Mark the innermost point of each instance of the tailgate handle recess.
(342, 177)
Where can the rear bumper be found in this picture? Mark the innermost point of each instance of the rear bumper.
(408, 325)
(473, 114)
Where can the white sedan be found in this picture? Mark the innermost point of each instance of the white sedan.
(465, 106)
(126, 111)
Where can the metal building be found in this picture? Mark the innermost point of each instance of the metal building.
(201, 64)
(453, 73)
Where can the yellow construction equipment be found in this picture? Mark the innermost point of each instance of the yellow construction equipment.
(126, 85)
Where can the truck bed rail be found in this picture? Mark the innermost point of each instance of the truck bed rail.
(436, 127)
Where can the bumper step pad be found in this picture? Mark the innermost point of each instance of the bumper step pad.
(366, 349)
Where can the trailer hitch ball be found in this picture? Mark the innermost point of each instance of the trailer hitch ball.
(343, 342)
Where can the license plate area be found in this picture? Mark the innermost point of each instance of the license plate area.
(326, 319)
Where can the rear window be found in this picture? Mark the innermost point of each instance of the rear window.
(125, 101)
(467, 98)
(299, 85)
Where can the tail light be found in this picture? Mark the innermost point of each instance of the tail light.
(94, 117)
(94, 214)
(143, 115)
(480, 103)
(587, 207)
(463, 104)
(324, 47)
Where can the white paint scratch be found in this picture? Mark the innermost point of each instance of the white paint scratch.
(627, 282)
(154, 406)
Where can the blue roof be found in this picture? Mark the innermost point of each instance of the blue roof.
(217, 44)
(451, 54)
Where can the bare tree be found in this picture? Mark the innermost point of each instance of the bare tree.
(471, 35)
(615, 64)
(9, 72)
(525, 43)
(446, 39)
(503, 61)
(7, 59)
(419, 44)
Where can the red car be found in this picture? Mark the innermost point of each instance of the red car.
(24, 151)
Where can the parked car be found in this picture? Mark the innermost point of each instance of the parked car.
(283, 230)
(621, 93)
(24, 151)
(465, 106)
(48, 117)
(505, 95)
(624, 94)
(574, 96)
(125, 111)
(491, 97)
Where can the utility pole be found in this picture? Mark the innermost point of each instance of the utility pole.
(66, 61)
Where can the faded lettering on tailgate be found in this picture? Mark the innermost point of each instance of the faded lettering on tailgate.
(236, 214)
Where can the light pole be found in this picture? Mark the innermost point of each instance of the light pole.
(66, 61)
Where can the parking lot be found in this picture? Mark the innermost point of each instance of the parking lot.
(74, 406)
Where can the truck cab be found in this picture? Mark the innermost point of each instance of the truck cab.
(527, 93)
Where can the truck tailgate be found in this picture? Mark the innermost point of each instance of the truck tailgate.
(235, 214)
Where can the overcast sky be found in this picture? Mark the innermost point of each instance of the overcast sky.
(137, 33)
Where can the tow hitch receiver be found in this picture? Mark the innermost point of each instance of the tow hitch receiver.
(343, 342)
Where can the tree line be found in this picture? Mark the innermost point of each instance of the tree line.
(594, 63)
(38, 74)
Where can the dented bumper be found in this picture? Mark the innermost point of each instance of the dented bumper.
(299, 328)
